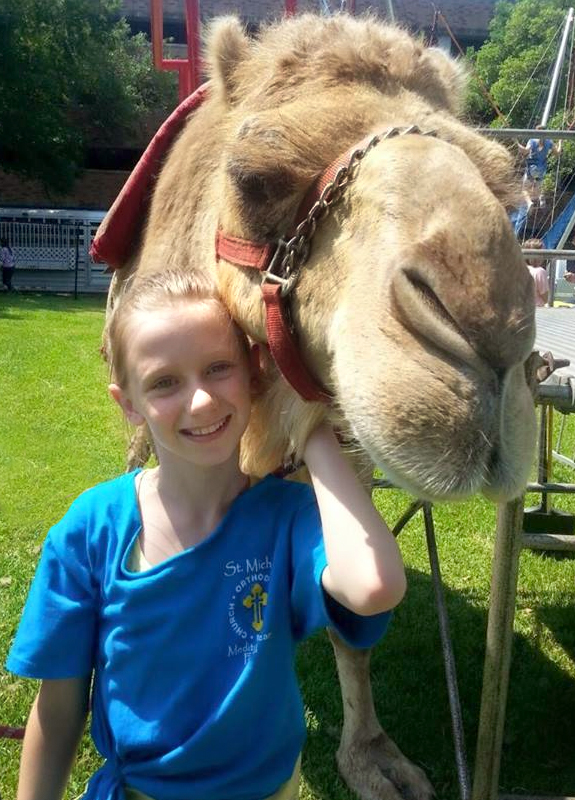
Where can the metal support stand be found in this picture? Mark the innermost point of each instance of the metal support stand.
(510, 539)
(445, 636)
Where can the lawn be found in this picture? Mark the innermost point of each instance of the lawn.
(59, 434)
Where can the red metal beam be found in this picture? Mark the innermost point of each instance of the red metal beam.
(188, 69)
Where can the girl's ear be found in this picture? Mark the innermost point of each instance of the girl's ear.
(133, 416)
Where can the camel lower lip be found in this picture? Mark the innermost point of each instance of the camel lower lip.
(207, 437)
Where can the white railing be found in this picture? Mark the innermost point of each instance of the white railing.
(43, 245)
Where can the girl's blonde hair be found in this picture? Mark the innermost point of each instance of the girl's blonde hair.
(154, 291)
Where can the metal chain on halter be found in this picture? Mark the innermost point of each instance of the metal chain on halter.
(290, 255)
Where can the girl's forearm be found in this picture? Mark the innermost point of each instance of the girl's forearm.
(52, 735)
(365, 570)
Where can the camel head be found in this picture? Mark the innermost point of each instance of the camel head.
(414, 307)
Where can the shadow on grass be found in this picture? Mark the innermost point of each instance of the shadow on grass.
(411, 698)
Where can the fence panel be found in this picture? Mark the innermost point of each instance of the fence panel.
(51, 247)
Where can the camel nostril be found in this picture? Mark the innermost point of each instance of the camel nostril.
(421, 311)
(430, 300)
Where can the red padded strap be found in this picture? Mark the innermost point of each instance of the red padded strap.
(242, 252)
(115, 240)
(284, 349)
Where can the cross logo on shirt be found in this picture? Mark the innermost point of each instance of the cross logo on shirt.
(256, 600)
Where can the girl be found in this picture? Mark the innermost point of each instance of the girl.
(179, 593)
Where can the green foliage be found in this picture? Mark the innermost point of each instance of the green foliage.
(516, 60)
(71, 72)
(515, 64)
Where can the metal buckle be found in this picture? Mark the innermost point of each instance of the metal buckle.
(277, 263)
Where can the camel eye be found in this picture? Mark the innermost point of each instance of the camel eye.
(251, 185)
(260, 187)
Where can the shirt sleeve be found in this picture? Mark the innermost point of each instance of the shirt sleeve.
(57, 633)
(312, 607)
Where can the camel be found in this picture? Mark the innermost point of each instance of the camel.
(412, 306)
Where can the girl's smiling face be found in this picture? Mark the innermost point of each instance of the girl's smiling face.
(190, 378)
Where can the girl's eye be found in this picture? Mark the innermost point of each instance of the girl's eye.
(219, 368)
(163, 383)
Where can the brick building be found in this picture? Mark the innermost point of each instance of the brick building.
(469, 19)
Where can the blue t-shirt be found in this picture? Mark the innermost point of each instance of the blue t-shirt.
(195, 694)
(537, 158)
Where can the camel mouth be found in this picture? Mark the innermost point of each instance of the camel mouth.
(455, 437)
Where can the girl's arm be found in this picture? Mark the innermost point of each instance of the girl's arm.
(53, 732)
(365, 571)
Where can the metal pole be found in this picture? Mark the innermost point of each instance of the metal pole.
(550, 253)
(156, 19)
(557, 68)
(542, 467)
(448, 658)
(497, 663)
(390, 11)
(194, 67)
(513, 133)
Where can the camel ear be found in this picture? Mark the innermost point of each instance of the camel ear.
(227, 47)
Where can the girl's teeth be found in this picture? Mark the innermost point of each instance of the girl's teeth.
(205, 431)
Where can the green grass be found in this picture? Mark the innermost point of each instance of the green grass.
(60, 434)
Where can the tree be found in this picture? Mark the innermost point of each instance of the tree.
(516, 60)
(515, 64)
(69, 71)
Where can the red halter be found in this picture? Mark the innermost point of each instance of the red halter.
(280, 262)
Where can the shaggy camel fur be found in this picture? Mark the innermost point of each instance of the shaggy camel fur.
(415, 308)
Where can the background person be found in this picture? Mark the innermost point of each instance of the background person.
(8, 263)
(536, 152)
(538, 269)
